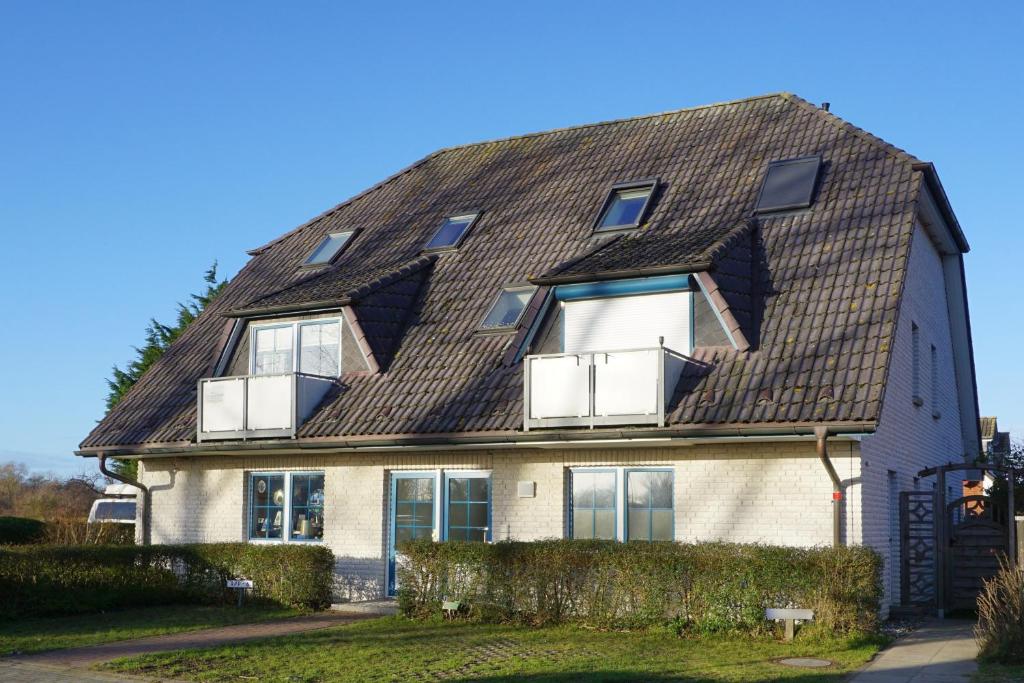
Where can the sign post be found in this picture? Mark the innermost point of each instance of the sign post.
(241, 585)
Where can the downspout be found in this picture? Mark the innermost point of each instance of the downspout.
(141, 535)
(837, 485)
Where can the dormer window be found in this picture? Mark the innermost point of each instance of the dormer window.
(451, 233)
(508, 308)
(318, 343)
(789, 184)
(329, 248)
(626, 206)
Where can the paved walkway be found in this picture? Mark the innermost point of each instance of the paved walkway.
(941, 651)
(64, 666)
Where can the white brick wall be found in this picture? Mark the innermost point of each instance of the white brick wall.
(908, 439)
(769, 492)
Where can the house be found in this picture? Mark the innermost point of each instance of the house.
(744, 321)
(995, 447)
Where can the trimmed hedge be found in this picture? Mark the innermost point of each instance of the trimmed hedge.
(19, 530)
(52, 580)
(698, 588)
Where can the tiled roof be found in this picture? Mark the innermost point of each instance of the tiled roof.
(987, 426)
(818, 290)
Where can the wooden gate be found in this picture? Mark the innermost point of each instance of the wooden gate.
(978, 535)
(917, 548)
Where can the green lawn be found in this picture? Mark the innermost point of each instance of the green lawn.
(38, 634)
(395, 649)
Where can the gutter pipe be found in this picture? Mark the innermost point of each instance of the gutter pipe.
(821, 434)
(141, 535)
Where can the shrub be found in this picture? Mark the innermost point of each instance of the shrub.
(51, 580)
(1000, 629)
(700, 588)
(80, 532)
(19, 530)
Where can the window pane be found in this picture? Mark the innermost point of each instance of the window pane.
(661, 525)
(450, 232)
(423, 514)
(405, 489)
(583, 523)
(457, 514)
(403, 533)
(639, 525)
(458, 489)
(604, 489)
(582, 489)
(320, 349)
(478, 514)
(328, 248)
(478, 489)
(625, 208)
(476, 535)
(638, 489)
(273, 351)
(604, 524)
(506, 310)
(260, 491)
(307, 513)
(661, 489)
(425, 490)
(404, 513)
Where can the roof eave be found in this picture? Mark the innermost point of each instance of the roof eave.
(931, 177)
(675, 269)
(324, 305)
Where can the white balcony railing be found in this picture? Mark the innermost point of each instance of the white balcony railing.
(625, 387)
(257, 406)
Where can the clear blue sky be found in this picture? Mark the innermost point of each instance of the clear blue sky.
(141, 141)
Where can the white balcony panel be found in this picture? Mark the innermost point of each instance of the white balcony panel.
(626, 382)
(270, 402)
(559, 386)
(628, 322)
(222, 405)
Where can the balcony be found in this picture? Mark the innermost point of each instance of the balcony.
(258, 406)
(629, 387)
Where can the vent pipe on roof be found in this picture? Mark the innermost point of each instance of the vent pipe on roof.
(825, 106)
(141, 501)
(837, 485)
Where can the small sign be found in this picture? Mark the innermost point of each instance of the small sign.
(239, 583)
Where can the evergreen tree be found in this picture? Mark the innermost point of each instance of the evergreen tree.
(158, 338)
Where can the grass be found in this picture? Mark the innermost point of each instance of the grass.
(396, 649)
(998, 673)
(53, 633)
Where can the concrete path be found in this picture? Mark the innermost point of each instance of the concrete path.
(941, 651)
(61, 666)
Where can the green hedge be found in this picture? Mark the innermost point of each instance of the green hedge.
(52, 580)
(699, 588)
(19, 530)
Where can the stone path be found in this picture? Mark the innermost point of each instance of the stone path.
(61, 666)
(941, 651)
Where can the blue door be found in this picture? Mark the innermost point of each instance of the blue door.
(412, 513)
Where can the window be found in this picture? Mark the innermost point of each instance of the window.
(789, 184)
(300, 494)
(593, 504)
(329, 248)
(915, 353)
(508, 309)
(934, 385)
(413, 507)
(649, 495)
(621, 503)
(451, 232)
(469, 507)
(319, 343)
(625, 207)
(272, 350)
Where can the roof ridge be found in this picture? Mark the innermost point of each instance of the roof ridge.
(610, 122)
(842, 123)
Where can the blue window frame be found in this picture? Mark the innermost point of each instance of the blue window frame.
(650, 513)
(592, 504)
(414, 512)
(468, 506)
(286, 506)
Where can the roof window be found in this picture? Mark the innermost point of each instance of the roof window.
(625, 206)
(451, 233)
(329, 248)
(789, 184)
(508, 308)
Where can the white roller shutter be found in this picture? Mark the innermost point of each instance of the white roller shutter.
(628, 322)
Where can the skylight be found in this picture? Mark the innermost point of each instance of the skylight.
(508, 309)
(625, 206)
(789, 184)
(329, 248)
(451, 232)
